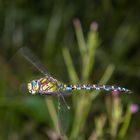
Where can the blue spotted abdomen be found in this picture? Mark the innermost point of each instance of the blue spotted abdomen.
(96, 87)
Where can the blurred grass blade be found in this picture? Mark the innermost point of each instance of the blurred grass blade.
(125, 124)
(99, 124)
(108, 73)
(52, 32)
(53, 114)
(123, 40)
(115, 115)
(80, 37)
(92, 44)
(70, 66)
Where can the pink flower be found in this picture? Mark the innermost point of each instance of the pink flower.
(94, 26)
(134, 108)
(77, 23)
(115, 93)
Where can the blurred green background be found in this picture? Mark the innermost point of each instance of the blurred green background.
(79, 42)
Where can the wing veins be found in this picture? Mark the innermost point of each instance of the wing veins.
(32, 58)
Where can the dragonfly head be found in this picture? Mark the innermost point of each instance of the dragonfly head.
(33, 87)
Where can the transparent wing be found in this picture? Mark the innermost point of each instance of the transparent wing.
(63, 114)
(32, 58)
(23, 88)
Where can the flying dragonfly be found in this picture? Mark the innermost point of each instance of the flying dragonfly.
(48, 85)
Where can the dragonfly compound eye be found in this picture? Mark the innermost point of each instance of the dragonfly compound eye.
(33, 87)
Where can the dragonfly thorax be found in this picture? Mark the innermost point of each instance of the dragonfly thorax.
(42, 86)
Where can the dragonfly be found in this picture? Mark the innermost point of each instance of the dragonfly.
(48, 85)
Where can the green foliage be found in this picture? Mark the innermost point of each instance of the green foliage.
(108, 52)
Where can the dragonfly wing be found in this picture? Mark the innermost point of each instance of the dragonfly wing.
(23, 88)
(32, 58)
(63, 114)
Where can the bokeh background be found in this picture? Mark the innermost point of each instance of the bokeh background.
(79, 42)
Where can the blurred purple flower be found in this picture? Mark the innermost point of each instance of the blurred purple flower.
(94, 26)
(134, 108)
(115, 93)
(77, 23)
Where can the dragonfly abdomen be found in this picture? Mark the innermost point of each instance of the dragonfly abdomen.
(96, 87)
